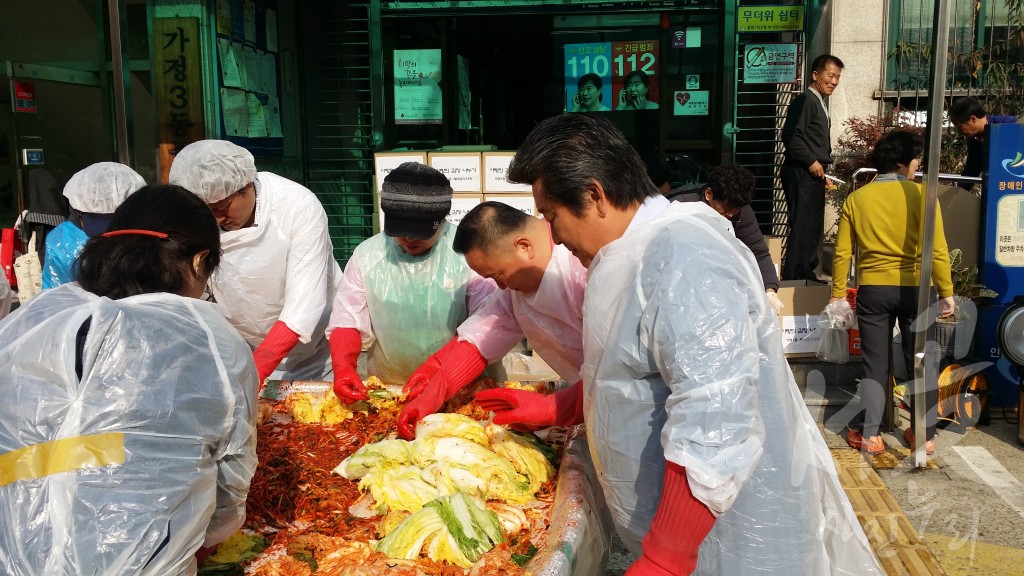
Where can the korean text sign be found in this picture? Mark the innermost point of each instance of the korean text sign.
(178, 79)
(607, 76)
(769, 19)
(418, 86)
(769, 63)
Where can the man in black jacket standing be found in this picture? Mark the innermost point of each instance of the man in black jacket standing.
(808, 151)
(729, 191)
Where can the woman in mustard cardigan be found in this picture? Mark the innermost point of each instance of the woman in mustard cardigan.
(883, 221)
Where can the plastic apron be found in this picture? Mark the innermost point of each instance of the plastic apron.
(551, 318)
(63, 245)
(684, 362)
(415, 302)
(262, 277)
(159, 434)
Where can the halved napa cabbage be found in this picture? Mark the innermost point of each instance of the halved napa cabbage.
(386, 451)
(524, 455)
(453, 529)
(450, 477)
(398, 487)
(512, 518)
(498, 474)
(443, 424)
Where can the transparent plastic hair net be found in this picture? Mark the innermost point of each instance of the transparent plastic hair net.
(101, 187)
(213, 169)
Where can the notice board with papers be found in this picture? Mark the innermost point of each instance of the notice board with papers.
(248, 80)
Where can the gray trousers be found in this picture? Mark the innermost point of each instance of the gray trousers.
(879, 308)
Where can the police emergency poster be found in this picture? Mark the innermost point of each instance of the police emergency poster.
(606, 76)
(418, 86)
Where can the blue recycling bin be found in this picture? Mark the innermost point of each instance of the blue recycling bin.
(1001, 262)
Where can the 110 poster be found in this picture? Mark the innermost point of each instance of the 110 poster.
(605, 76)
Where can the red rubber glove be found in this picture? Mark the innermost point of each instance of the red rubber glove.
(278, 343)
(203, 553)
(422, 375)
(458, 363)
(533, 410)
(430, 400)
(679, 526)
(346, 343)
(459, 360)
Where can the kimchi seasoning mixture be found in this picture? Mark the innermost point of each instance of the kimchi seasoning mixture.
(302, 507)
(294, 488)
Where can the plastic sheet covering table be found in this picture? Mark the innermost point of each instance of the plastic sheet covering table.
(578, 538)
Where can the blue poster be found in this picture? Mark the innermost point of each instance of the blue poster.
(588, 77)
(1003, 201)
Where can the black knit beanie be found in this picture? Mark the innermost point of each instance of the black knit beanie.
(415, 200)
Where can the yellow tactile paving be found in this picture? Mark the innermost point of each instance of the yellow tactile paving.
(890, 533)
(887, 530)
(909, 561)
(873, 501)
(973, 558)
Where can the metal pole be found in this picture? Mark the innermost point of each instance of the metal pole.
(120, 118)
(925, 373)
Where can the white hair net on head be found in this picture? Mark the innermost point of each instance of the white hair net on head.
(101, 187)
(213, 169)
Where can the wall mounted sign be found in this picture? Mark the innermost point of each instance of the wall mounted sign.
(769, 64)
(178, 78)
(418, 98)
(24, 96)
(769, 19)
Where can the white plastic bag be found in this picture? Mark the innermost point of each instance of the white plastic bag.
(29, 271)
(834, 322)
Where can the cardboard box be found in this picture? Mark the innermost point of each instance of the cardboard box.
(775, 247)
(495, 168)
(385, 162)
(461, 168)
(803, 305)
(775, 250)
(961, 218)
(522, 202)
(461, 205)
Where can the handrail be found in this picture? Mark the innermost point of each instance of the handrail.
(943, 177)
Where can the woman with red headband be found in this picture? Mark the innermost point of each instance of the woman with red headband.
(127, 436)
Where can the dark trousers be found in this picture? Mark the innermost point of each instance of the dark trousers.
(805, 199)
(879, 308)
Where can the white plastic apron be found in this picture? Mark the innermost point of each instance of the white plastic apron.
(415, 303)
(250, 284)
(684, 362)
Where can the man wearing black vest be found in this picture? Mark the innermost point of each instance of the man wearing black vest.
(808, 151)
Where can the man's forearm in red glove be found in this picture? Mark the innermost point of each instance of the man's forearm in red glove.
(460, 362)
(569, 405)
(533, 409)
(679, 526)
(278, 343)
(346, 343)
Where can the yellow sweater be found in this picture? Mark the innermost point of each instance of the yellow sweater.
(883, 220)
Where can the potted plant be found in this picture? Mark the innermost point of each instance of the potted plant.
(965, 288)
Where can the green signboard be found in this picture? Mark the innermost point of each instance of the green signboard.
(769, 19)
